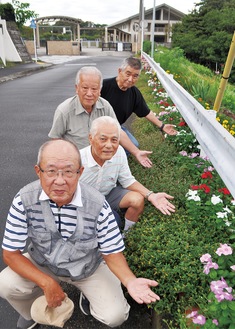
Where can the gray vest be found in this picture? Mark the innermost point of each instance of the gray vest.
(77, 257)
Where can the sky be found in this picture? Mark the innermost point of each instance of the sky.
(100, 11)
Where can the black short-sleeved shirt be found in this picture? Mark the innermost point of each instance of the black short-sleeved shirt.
(126, 102)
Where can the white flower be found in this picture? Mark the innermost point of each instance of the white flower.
(221, 214)
(192, 195)
(215, 199)
(227, 223)
(227, 209)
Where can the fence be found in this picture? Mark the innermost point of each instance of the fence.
(117, 46)
(217, 143)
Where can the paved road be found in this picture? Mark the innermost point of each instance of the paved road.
(27, 105)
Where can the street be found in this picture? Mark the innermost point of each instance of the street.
(27, 106)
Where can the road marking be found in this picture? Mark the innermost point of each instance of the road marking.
(81, 64)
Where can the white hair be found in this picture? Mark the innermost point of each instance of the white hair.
(89, 70)
(107, 120)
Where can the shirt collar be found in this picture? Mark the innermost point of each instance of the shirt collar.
(76, 201)
(79, 109)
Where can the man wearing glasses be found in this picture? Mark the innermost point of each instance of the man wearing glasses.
(126, 98)
(73, 238)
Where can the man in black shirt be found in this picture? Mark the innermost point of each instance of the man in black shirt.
(126, 98)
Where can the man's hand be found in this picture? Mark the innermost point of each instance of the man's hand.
(139, 289)
(54, 293)
(142, 158)
(160, 201)
(170, 129)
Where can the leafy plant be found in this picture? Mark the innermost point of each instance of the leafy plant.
(22, 12)
(219, 312)
(168, 250)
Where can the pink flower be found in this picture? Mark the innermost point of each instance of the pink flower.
(210, 265)
(205, 258)
(232, 267)
(184, 153)
(210, 168)
(192, 314)
(215, 322)
(199, 319)
(224, 295)
(224, 250)
(193, 155)
(196, 318)
(218, 286)
(221, 290)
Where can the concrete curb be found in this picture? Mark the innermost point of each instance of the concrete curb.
(24, 72)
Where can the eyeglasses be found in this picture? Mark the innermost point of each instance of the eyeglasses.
(53, 173)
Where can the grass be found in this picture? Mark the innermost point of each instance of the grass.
(162, 177)
(198, 80)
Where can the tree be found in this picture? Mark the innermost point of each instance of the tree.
(206, 33)
(22, 12)
(7, 12)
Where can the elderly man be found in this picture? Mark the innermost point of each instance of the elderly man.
(126, 98)
(73, 238)
(105, 165)
(73, 117)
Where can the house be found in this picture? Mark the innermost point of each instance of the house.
(129, 30)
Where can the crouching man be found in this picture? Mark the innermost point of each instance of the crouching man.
(106, 168)
(73, 237)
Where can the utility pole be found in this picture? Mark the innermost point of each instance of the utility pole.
(225, 75)
(141, 19)
(153, 30)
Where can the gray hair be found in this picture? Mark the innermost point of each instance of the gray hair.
(89, 70)
(104, 120)
(133, 62)
(43, 146)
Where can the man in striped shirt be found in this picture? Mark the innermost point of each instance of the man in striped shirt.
(73, 237)
(106, 169)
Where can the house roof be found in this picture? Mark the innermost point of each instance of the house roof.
(147, 12)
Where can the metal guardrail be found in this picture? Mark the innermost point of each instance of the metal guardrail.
(217, 143)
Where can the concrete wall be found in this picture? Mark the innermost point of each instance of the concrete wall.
(57, 47)
(29, 46)
(63, 48)
(8, 51)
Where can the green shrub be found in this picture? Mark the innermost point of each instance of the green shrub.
(7, 12)
(147, 47)
(168, 249)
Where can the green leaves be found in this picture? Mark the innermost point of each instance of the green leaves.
(22, 12)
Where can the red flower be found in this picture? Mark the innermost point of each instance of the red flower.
(205, 188)
(182, 123)
(224, 190)
(206, 175)
(195, 187)
(202, 187)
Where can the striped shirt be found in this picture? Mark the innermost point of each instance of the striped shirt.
(104, 178)
(16, 231)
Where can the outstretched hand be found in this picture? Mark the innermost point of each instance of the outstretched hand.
(142, 158)
(170, 129)
(139, 290)
(160, 201)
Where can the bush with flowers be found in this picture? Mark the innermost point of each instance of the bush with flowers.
(169, 250)
(220, 310)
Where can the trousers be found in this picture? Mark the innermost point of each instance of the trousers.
(103, 290)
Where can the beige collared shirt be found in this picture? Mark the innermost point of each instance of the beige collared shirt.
(72, 122)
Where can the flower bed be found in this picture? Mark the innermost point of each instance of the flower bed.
(169, 249)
